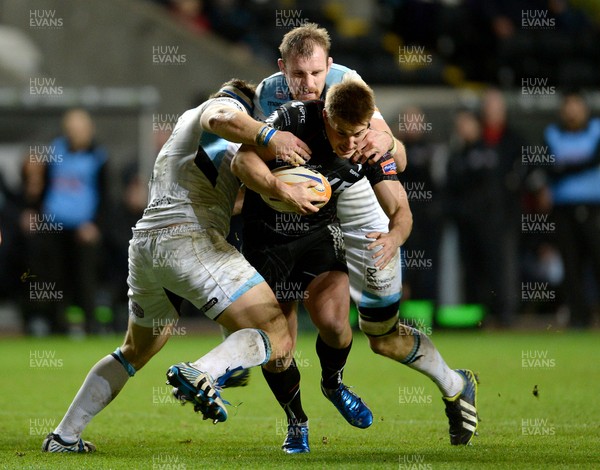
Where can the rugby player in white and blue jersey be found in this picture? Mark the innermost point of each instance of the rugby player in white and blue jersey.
(192, 192)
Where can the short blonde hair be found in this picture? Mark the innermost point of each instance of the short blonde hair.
(300, 41)
(351, 101)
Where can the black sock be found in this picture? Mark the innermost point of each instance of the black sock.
(286, 388)
(332, 363)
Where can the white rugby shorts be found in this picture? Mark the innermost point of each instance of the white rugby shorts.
(370, 286)
(193, 263)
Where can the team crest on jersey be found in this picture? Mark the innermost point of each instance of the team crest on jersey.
(136, 309)
(388, 167)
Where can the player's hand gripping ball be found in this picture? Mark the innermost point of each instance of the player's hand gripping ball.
(299, 174)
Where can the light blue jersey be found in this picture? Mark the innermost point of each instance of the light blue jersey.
(575, 148)
(274, 91)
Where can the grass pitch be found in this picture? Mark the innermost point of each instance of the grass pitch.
(537, 402)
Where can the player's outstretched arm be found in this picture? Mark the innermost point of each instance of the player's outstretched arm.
(378, 141)
(249, 166)
(234, 125)
(394, 201)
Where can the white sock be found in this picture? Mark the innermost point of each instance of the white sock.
(426, 359)
(103, 382)
(241, 349)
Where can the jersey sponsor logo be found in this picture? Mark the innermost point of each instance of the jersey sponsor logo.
(388, 167)
(376, 280)
(208, 305)
(160, 202)
(300, 106)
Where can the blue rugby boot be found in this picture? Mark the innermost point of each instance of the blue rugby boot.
(461, 410)
(198, 388)
(350, 405)
(296, 441)
(234, 378)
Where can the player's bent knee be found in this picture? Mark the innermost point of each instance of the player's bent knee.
(281, 342)
(383, 345)
(283, 345)
(332, 326)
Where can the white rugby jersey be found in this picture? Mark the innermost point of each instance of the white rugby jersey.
(357, 205)
(192, 181)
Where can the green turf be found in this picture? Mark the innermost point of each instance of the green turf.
(142, 428)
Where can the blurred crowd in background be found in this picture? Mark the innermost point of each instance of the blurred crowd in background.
(494, 41)
(525, 214)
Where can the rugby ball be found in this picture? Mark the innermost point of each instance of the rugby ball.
(298, 174)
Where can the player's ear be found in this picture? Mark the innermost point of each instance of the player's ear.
(325, 119)
(329, 63)
(281, 65)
